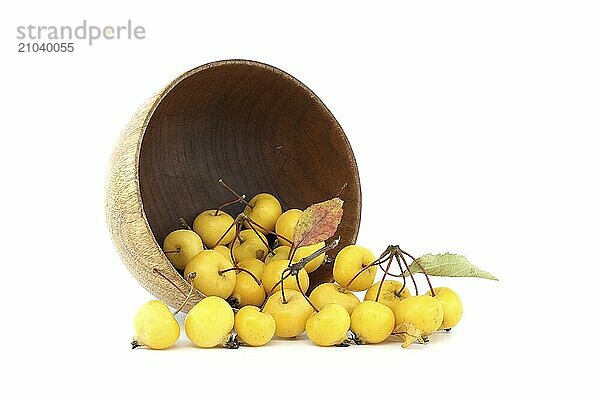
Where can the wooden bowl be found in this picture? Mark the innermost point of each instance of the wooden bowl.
(253, 125)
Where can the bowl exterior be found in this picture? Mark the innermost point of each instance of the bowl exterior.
(127, 222)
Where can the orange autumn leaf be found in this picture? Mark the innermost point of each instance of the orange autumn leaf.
(318, 222)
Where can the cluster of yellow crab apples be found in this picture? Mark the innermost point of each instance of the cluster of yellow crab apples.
(255, 281)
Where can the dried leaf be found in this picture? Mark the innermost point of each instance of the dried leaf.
(318, 222)
(408, 333)
(448, 264)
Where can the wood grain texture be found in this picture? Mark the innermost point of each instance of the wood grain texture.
(252, 125)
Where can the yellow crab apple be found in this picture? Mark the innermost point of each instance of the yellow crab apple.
(256, 267)
(290, 315)
(286, 223)
(254, 327)
(155, 326)
(212, 226)
(423, 313)
(211, 277)
(279, 253)
(224, 251)
(329, 326)
(250, 245)
(328, 293)
(372, 322)
(391, 293)
(247, 291)
(181, 246)
(451, 304)
(349, 262)
(305, 251)
(272, 276)
(264, 209)
(209, 322)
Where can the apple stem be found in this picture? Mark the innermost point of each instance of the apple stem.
(224, 234)
(156, 271)
(184, 224)
(401, 256)
(304, 294)
(284, 238)
(364, 268)
(242, 198)
(387, 268)
(422, 270)
(283, 277)
(190, 279)
(264, 303)
(287, 273)
(384, 257)
(267, 230)
(398, 293)
(177, 250)
(389, 273)
(237, 224)
(228, 203)
(296, 267)
(251, 224)
(292, 254)
(379, 264)
(237, 268)
(288, 270)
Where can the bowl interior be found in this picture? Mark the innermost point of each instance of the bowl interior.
(257, 128)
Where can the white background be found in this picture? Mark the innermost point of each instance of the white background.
(475, 129)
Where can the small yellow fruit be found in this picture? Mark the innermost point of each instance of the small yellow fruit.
(181, 246)
(390, 293)
(209, 279)
(209, 323)
(264, 209)
(272, 276)
(224, 251)
(279, 253)
(291, 316)
(327, 293)
(211, 227)
(155, 327)
(351, 260)
(253, 327)
(305, 251)
(424, 313)
(372, 322)
(247, 291)
(329, 326)
(256, 267)
(452, 305)
(285, 225)
(250, 245)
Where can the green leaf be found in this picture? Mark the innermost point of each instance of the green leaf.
(448, 264)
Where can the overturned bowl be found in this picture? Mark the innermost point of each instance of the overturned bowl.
(248, 123)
